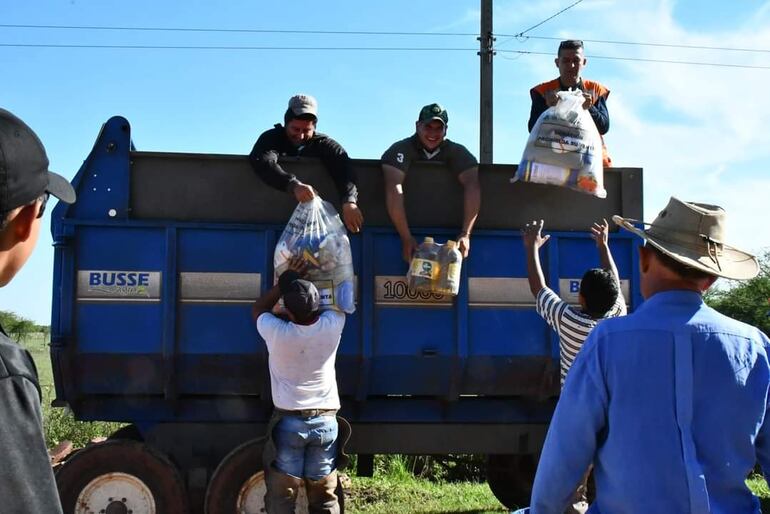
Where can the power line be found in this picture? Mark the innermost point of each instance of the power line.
(520, 34)
(242, 31)
(637, 59)
(354, 49)
(205, 47)
(640, 43)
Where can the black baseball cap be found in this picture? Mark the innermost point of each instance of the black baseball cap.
(299, 296)
(24, 174)
(433, 112)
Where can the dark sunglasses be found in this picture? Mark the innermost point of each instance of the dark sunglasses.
(42, 205)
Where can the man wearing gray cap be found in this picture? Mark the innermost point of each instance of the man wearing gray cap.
(669, 403)
(26, 480)
(298, 137)
(429, 143)
(305, 437)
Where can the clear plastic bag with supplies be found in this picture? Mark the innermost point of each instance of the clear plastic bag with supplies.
(316, 233)
(564, 148)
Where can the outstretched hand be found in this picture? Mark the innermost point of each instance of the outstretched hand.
(298, 264)
(352, 217)
(464, 245)
(600, 232)
(551, 98)
(532, 236)
(408, 247)
(303, 192)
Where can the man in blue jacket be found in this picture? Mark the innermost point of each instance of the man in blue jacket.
(670, 402)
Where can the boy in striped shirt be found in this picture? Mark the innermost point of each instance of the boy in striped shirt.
(600, 297)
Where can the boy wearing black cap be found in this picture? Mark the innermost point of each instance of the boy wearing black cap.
(429, 143)
(304, 428)
(26, 480)
(298, 137)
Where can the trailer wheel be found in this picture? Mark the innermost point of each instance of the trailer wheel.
(120, 477)
(510, 477)
(238, 484)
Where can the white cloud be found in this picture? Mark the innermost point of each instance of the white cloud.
(699, 132)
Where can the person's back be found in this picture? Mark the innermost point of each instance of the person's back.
(302, 358)
(724, 387)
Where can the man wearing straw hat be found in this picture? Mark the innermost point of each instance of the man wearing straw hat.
(670, 402)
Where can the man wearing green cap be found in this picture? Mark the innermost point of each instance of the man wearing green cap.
(429, 143)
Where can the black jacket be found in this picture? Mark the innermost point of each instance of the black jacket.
(26, 478)
(275, 143)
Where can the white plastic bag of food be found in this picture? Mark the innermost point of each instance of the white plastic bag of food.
(316, 232)
(564, 148)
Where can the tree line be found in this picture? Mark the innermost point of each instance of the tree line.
(19, 328)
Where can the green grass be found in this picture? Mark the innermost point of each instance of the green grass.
(58, 423)
(759, 487)
(409, 495)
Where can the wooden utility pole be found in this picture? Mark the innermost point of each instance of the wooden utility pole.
(485, 96)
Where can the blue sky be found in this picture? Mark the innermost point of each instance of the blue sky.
(699, 132)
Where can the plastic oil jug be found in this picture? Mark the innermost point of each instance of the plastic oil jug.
(450, 263)
(424, 269)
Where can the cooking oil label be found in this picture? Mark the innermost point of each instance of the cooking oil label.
(424, 268)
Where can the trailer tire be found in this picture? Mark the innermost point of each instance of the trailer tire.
(510, 477)
(238, 483)
(121, 471)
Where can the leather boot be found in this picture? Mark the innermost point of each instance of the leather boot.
(281, 492)
(321, 497)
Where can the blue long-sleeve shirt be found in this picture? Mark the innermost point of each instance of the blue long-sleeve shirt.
(669, 404)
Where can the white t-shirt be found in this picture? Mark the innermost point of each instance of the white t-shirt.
(301, 359)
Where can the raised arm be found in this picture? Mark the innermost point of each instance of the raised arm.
(600, 232)
(533, 240)
(394, 200)
(265, 303)
(471, 205)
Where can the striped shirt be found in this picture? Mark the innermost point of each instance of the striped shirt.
(571, 324)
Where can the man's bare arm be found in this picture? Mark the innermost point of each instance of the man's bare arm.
(266, 302)
(471, 206)
(394, 200)
(600, 232)
(533, 240)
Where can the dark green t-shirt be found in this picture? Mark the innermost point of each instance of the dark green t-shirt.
(402, 153)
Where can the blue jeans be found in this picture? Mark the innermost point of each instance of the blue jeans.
(306, 447)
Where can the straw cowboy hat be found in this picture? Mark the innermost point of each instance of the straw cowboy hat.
(694, 235)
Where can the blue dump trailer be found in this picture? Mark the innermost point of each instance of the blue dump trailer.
(158, 263)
